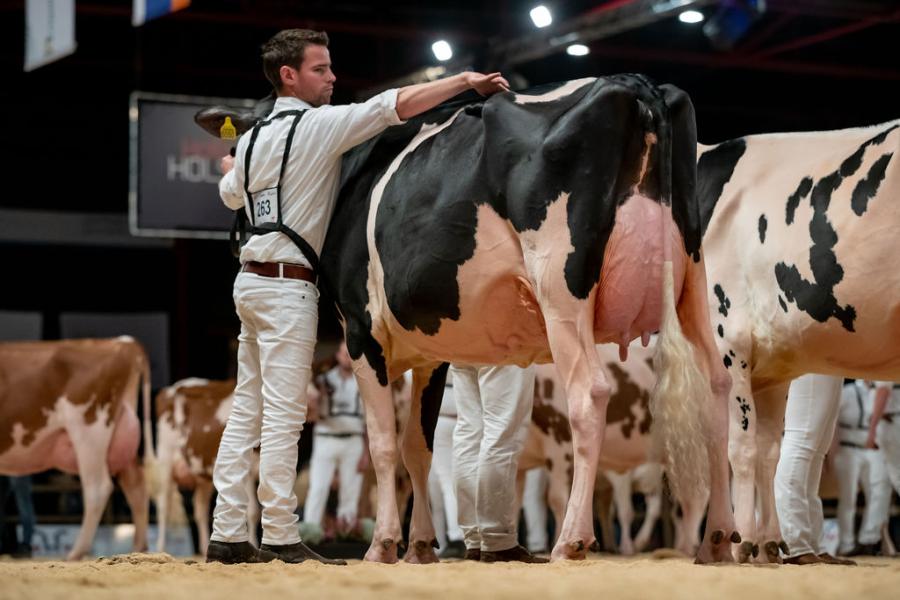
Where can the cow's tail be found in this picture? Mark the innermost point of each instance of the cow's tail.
(682, 391)
(151, 475)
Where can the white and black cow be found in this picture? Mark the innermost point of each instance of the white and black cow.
(72, 405)
(527, 228)
(800, 243)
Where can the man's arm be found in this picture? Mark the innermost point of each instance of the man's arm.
(416, 99)
(881, 398)
(231, 186)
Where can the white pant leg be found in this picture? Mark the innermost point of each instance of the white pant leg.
(231, 471)
(507, 394)
(877, 489)
(846, 465)
(442, 474)
(466, 447)
(889, 442)
(350, 477)
(322, 463)
(534, 504)
(810, 416)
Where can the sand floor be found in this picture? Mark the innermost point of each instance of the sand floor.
(160, 577)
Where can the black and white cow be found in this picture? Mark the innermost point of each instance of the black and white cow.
(526, 228)
(800, 243)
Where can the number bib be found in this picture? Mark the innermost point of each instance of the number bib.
(265, 206)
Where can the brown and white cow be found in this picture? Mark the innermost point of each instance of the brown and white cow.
(72, 405)
(626, 460)
(190, 419)
(800, 243)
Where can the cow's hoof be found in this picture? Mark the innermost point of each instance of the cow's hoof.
(595, 546)
(382, 551)
(782, 545)
(716, 547)
(746, 551)
(772, 555)
(576, 550)
(422, 553)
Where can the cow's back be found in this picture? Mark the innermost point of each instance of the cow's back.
(800, 248)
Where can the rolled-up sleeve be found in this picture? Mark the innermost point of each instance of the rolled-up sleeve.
(231, 186)
(345, 126)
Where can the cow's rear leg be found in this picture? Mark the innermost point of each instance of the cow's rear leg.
(201, 497)
(687, 527)
(133, 485)
(621, 484)
(693, 312)
(743, 456)
(90, 444)
(769, 429)
(650, 477)
(381, 428)
(418, 447)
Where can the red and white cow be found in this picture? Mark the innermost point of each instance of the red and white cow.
(800, 243)
(72, 405)
(190, 419)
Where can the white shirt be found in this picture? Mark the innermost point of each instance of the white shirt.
(341, 408)
(857, 402)
(310, 185)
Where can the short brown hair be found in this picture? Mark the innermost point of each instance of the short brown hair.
(286, 48)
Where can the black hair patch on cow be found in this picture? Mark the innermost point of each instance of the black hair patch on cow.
(816, 297)
(867, 187)
(724, 301)
(745, 410)
(685, 208)
(714, 170)
(794, 199)
(721, 330)
(731, 352)
(743, 364)
(878, 139)
(763, 224)
(432, 396)
(727, 361)
(781, 303)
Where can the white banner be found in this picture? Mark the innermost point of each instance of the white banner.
(49, 31)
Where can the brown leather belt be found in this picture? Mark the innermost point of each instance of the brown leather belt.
(285, 270)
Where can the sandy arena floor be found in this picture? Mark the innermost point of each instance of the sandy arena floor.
(160, 577)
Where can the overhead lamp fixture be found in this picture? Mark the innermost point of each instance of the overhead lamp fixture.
(540, 16)
(442, 50)
(691, 16)
(577, 50)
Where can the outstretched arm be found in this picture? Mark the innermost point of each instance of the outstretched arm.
(881, 398)
(415, 99)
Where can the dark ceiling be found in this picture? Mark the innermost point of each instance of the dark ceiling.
(804, 64)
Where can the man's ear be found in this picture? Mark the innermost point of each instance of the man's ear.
(288, 75)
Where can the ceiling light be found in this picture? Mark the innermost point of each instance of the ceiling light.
(442, 50)
(540, 16)
(577, 50)
(691, 16)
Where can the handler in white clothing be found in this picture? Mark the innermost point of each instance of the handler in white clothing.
(884, 428)
(441, 487)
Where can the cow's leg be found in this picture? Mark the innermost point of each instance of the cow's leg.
(163, 497)
(687, 528)
(381, 428)
(769, 428)
(742, 454)
(621, 484)
(202, 496)
(90, 444)
(603, 500)
(418, 446)
(650, 476)
(131, 480)
(558, 495)
(693, 312)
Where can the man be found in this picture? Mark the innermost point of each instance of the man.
(493, 407)
(856, 465)
(441, 483)
(285, 175)
(885, 423)
(338, 444)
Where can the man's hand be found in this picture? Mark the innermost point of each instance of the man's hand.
(226, 164)
(486, 84)
(870, 442)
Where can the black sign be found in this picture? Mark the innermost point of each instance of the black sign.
(175, 168)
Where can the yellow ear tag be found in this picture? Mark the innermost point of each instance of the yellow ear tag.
(227, 130)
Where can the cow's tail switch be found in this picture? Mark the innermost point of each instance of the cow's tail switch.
(682, 391)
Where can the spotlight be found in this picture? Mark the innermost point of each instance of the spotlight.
(540, 16)
(442, 50)
(577, 50)
(691, 16)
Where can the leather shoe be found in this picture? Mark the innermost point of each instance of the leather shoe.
(472, 554)
(294, 553)
(833, 560)
(804, 559)
(516, 553)
(231, 553)
(455, 549)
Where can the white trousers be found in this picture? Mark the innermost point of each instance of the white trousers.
(534, 505)
(278, 336)
(857, 467)
(493, 405)
(889, 442)
(330, 453)
(811, 414)
(440, 483)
